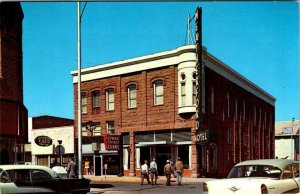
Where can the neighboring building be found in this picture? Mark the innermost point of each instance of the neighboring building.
(13, 113)
(150, 102)
(45, 134)
(287, 139)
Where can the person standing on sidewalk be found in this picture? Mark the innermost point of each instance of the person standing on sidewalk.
(87, 166)
(168, 172)
(178, 170)
(153, 170)
(145, 172)
(71, 169)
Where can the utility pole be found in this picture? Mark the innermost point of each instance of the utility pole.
(79, 90)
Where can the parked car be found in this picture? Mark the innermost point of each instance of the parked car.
(268, 176)
(61, 171)
(38, 179)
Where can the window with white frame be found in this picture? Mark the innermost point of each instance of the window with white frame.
(212, 99)
(96, 98)
(83, 103)
(97, 131)
(158, 92)
(132, 96)
(194, 93)
(110, 127)
(110, 99)
(183, 94)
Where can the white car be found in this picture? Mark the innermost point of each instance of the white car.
(268, 176)
(38, 179)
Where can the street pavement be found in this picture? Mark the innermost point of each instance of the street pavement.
(132, 185)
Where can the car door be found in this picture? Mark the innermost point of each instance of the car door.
(16, 181)
(43, 181)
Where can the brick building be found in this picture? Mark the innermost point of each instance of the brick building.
(13, 113)
(150, 101)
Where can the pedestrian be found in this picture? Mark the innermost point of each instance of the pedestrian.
(71, 168)
(168, 172)
(178, 170)
(145, 173)
(153, 171)
(87, 166)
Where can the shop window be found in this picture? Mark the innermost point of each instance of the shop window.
(110, 127)
(112, 163)
(183, 153)
(158, 92)
(132, 103)
(110, 100)
(183, 94)
(83, 103)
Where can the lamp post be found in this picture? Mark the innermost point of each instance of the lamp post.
(90, 126)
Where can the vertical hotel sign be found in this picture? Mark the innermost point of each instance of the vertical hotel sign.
(200, 137)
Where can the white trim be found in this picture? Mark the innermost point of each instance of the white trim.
(171, 58)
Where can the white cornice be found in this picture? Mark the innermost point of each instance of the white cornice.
(169, 58)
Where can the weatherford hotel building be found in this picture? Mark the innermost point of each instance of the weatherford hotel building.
(150, 101)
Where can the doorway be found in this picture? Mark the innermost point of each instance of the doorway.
(98, 165)
(163, 153)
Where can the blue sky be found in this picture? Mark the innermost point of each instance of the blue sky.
(260, 40)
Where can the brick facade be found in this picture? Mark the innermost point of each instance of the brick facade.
(13, 113)
(247, 140)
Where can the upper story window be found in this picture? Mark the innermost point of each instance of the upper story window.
(132, 102)
(110, 99)
(110, 127)
(229, 136)
(183, 94)
(236, 110)
(254, 116)
(194, 93)
(244, 111)
(212, 99)
(228, 104)
(96, 98)
(158, 92)
(83, 103)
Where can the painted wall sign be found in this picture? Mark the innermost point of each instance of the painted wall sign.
(43, 141)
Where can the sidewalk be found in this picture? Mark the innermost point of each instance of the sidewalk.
(161, 179)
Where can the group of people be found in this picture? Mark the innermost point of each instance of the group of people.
(169, 169)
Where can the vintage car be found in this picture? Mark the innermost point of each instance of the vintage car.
(38, 179)
(268, 176)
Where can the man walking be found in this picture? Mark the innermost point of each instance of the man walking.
(71, 168)
(168, 172)
(153, 170)
(145, 172)
(178, 170)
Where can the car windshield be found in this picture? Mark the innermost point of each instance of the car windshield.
(255, 171)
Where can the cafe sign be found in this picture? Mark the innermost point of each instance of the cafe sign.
(43, 141)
